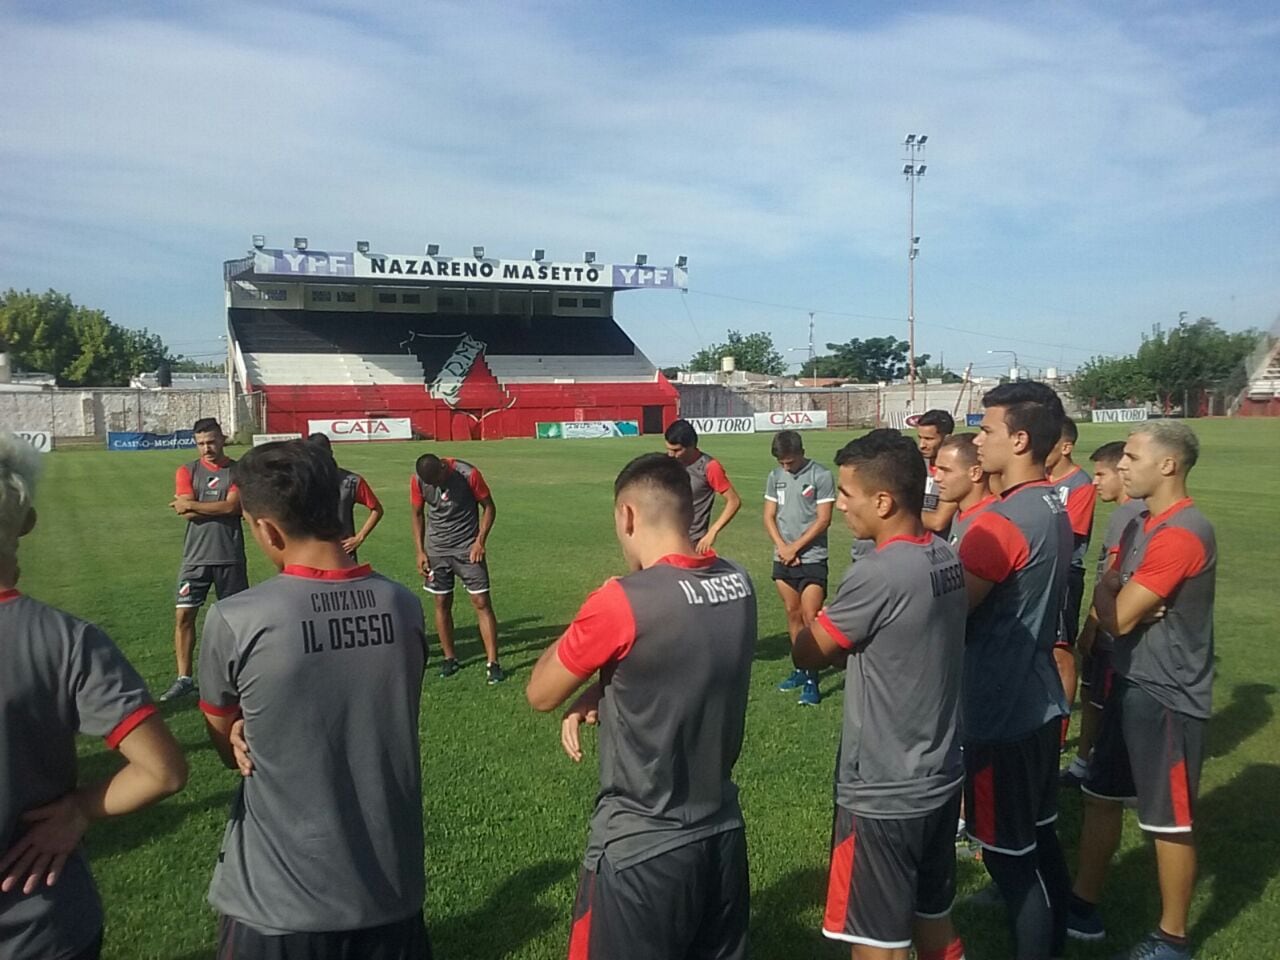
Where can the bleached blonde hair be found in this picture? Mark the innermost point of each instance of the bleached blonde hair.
(19, 471)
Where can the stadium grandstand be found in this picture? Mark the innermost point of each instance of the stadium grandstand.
(1261, 396)
(464, 347)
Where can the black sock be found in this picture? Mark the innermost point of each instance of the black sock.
(1057, 882)
(1082, 906)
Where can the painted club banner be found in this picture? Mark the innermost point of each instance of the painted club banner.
(363, 428)
(179, 440)
(260, 438)
(1121, 415)
(587, 429)
(793, 420)
(42, 440)
(708, 425)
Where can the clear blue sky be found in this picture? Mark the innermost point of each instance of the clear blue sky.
(1093, 168)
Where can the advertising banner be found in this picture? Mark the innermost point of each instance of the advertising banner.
(973, 419)
(706, 425)
(792, 420)
(260, 438)
(363, 428)
(42, 440)
(1122, 415)
(179, 440)
(587, 429)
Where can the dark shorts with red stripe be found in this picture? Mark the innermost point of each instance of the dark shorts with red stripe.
(1148, 752)
(1011, 789)
(886, 873)
(1069, 620)
(405, 939)
(693, 902)
(1098, 675)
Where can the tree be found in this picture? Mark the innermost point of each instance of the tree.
(935, 373)
(754, 352)
(1109, 381)
(183, 364)
(874, 360)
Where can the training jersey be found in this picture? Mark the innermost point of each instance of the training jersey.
(963, 519)
(210, 541)
(1123, 515)
(353, 489)
(706, 478)
(673, 644)
(1175, 556)
(453, 508)
(899, 613)
(1080, 497)
(61, 677)
(797, 496)
(326, 668)
(1022, 544)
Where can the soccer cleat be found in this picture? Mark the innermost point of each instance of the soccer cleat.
(494, 674)
(1085, 924)
(794, 681)
(809, 695)
(1156, 947)
(179, 688)
(448, 667)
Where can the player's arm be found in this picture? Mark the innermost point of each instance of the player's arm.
(1172, 556)
(816, 648)
(488, 514)
(992, 550)
(218, 726)
(551, 682)
(939, 518)
(419, 523)
(719, 482)
(229, 507)
(771, 524)
(1088, 633)
(820, 523)
(367, 498)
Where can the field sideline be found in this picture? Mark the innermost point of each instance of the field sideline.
(506, 812)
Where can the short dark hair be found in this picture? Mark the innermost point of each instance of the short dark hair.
(427, 466)
(206, 425)
(664, 474)
(681, 434)
(788, 443)
(937, 418)
(1109, 453)
(1070, 432)
(293, 483)
(1031, 408)
(963, 445)
(889, 461)
(320, 440)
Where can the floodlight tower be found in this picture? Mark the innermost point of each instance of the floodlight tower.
(913, 171)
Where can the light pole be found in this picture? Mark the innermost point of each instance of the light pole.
(913, 171)
(813, 373)
(1017, 370)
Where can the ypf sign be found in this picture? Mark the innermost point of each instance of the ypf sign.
(363, 428)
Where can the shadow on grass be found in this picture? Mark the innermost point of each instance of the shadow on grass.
(1248, 712)
(515, 636)
(508, 919)
(778, 931)
(147, 825)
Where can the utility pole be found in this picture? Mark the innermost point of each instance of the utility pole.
(813, 372)
(913, 171)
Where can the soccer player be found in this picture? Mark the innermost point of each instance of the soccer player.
(665, 873)
(1015, 555)
(961, 481)
(352, 489)
(451, 543)
(798, 498)
(706, 478)
(318, 674)
(213, 552)
(59, 677)
(1095, 645)
(1157, 602)
(932, 428)
(897, 622)
(1079, 496)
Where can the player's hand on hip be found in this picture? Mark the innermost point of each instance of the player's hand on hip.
(1156, 615)
(352, 544)
(706, 544)
(240, 748)
(573, 721)
(477, 552)
(53, 833)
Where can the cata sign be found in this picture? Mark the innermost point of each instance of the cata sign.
(791, 420)
(363, 428)
(42, 440)
(705, 425)
(1120, 415)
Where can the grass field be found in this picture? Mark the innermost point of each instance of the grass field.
(506, 812)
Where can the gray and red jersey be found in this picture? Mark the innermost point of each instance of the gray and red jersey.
(706, 478)
(353, 489)
(796, 496)
(1080, 497)
(673, 644)
(899, 612)
(60, 677)
(453, 507)
(1175, 556)
(1022, 544)
(210, 541)
(326, 668)
(963, 519)
(1124, 514)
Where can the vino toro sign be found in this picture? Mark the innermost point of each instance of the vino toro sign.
(791, 420)
(363, 428)
(42, 440)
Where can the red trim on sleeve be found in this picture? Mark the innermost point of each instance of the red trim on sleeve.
(1081, 502)
(7, 595)
(316, 573)
(922, 540)
(604, 630)
(365, 495)
(479, 489)
(717, 479)
(182, 484)
(415, 491)
(686, 562)
(1173, 555)
(1151, 521)
(215, 711)
(129, 724)
(994, 548)
(835, 632)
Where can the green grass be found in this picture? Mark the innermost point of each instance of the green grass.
(506, 813)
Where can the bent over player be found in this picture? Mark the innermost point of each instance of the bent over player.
(665, 873)
(59, 677)
(897, 621)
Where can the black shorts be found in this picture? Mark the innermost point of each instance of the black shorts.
(1099, 676)
(194, 581)
(1011, 789)
(1069, 623)
(441, 572)
(886, 873)
(693, 901)
(402, 940)
(1148, 752)
(801, 575)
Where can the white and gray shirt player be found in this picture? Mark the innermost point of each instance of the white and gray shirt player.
(797, 496)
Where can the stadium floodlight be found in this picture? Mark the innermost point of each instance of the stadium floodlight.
(906, 171)
(913, 146)
(911, 138)
(299, 243)
(922, 168)
(362, 246)
(259, 241)
(682, 261)
(539, 254)
(923, 138)
(478, 252)
(433, 249)
(589, 256)
(641, 259)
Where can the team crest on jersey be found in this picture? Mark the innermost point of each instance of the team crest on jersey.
(211, 483)
(808, 490)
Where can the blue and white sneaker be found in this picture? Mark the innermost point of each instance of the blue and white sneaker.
(1155, 947)
(793, 682)
(809, 695)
